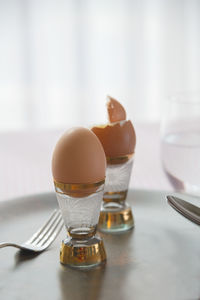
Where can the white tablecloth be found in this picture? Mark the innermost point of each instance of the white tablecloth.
(25, 160)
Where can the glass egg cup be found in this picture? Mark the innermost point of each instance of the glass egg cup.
(80, 207)
(116, 214)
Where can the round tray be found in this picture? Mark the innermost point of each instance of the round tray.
(158, 259)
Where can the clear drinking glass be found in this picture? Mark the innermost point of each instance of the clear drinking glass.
(180, 142)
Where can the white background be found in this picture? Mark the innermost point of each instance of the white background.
(60, 58)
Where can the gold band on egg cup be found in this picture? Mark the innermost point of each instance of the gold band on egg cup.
(70, 188)
(118, 159)
(119, 196)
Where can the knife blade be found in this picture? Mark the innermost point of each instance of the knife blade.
(188, 210)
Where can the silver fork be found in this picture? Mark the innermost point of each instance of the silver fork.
(44, 237)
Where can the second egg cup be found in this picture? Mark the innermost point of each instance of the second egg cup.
(116, 214)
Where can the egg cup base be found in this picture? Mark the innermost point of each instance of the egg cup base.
(115, 218)
(82, 254)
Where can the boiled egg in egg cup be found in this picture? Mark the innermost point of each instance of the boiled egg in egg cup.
(78, 167)
(118, 140)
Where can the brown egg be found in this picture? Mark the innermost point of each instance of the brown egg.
(118, 139)
(116, 112)
(78, 160)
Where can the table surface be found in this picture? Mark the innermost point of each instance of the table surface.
(25, 160)
(157, 260)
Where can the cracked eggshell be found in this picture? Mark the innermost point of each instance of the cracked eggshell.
(117, 139)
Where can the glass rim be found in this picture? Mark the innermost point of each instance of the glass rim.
(185, 97)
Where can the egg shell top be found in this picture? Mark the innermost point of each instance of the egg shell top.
(116, 111)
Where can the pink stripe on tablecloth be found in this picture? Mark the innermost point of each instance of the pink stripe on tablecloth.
(25, 160)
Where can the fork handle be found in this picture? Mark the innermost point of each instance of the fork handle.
(2, 245)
